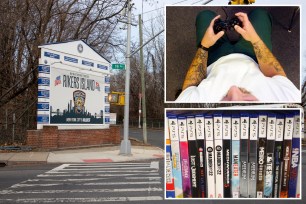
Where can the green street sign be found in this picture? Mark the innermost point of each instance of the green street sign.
(118, 66)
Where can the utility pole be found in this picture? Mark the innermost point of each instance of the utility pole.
(143, 86)
(125, 147)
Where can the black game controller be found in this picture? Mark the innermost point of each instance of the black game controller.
(220, 25)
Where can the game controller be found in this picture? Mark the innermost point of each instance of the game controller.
(220, 25)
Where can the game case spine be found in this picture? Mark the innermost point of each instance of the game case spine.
(252, 175)
(298, 185)
(227, 155)
(210, 167)
(268, 184)
(169, 176)
(176, 159)
(218, 154)
(201, 152)
(278, 157)
(193, 156)
(295, 157)
(235, 156)
(244, 151)
(184, 156)
(261, 154)
(286, 155)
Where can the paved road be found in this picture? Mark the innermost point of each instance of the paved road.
(155, 137)
(83, 183)
(95, 183)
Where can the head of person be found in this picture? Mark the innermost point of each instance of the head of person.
(238, 94)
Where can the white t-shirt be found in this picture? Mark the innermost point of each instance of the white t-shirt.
(242, 71)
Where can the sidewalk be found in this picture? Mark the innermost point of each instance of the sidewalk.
(88, 155)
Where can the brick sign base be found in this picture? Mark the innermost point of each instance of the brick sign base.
(50, 137)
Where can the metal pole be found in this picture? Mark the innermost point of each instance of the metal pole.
(139, 111)
(14, 120)
(125, 147)
(143, 86)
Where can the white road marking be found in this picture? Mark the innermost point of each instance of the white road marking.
(83, 200)
(96, 175)
(22, 185)
(97, 171)
(7, 192)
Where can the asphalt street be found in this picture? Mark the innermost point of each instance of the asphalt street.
(83, 183)
(155, 137)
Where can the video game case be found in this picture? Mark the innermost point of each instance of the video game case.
(210, 166)
(169, 176)
(261, 153)
(295, 157)
(193, 156)
(268, 184)
(287, 145)
(252, 175)
(199, 119)
(176, 159)
(227, 155)
(217, 118)
(244, 153)
(298, 186)
(235, 156)
(182, 125)
(278, 154)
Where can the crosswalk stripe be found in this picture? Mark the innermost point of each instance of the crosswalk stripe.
(84, 200)
(99, 171)
(96, 175)
(67, 182)
(6, 192)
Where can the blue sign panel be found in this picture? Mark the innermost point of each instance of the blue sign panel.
(70, 59)
(107, 109)
(100, 66)
(52, 55)
(43, 81)
(42, 118)
(44, 69)
(87, 63)
(107, 120)
(42, 93)
(107, 89)
(43, 106)
(107, 79)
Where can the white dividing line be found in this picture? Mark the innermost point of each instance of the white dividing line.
(110, 164)
(101, 168)
(31, 185)
(98, 171)
(96, 175)
(88, 179)
(8, 192)
(83, 200)
(120, 183)
(65, 180)
(86, 184)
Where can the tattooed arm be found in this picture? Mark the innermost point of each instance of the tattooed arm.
(268, 64)
(197, 70)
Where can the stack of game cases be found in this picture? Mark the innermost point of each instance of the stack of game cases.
(232, 154)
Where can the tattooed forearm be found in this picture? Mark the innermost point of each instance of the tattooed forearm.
(268, 64)
(197, 70)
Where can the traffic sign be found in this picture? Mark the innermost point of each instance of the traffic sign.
(118, 66)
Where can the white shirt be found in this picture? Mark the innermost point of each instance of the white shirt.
(242, 71)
